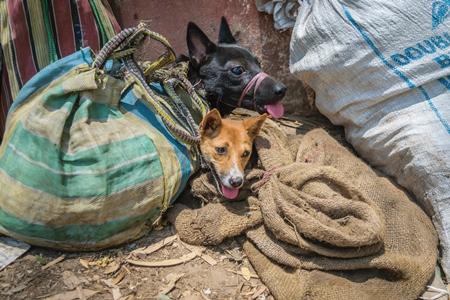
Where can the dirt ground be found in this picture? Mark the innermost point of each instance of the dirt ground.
(220, 272)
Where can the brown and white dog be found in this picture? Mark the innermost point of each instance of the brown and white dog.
(226, 146)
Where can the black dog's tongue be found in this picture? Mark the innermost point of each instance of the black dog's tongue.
(275, 110)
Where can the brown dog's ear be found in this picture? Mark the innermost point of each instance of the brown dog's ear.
(254, 125)
(210, 123)
(225, 35)
(199, 45)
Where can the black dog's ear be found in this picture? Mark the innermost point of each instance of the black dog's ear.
(225, 35)
(199, 45)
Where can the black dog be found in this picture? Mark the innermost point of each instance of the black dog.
(231, 75)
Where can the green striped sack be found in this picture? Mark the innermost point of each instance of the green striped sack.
(92, 154)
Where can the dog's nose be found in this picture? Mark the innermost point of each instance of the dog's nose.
(236, 181)
(279, 90)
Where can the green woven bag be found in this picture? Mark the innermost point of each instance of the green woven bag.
(93, 154)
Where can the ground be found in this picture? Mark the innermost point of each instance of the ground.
(109, 274)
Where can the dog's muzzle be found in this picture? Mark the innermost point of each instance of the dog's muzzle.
(276, 110)
(255, 81)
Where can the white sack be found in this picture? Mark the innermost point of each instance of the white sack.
(381, 69)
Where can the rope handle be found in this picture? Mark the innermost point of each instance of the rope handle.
(128, 41)
(122, 46)
(182, 134)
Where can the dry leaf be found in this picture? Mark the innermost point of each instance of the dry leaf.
(158, 227)
(72, 295)
(119, 277)
(105, 262)
(209, 259)
(70, 280)
(164, 263)
(246, 294)
(81, 295)
(112, 267)
(172, 278)
(245, 273)
(199, 251)
(84, 263)
(150, 249)
(259, 292)
(100, 263)
(115, 290)
(109, 284)
(240, 273)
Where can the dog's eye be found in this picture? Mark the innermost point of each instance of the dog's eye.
(237, 70)
(246, 153)
(221, 150)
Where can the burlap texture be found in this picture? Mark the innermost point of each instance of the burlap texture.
(319, 222)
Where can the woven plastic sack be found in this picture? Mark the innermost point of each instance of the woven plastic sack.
(381, 69)
(91, 156)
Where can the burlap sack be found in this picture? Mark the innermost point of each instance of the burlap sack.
(321, 224)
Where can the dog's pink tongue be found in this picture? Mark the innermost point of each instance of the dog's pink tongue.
(229, 193)
(275, 110)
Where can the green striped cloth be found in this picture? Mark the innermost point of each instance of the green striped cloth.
(83, 167)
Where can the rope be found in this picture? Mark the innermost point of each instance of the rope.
(152, 98)
(173, 112)
(264, 179)
(110, 46)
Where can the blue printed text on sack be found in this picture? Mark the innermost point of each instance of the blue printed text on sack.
(425, 48)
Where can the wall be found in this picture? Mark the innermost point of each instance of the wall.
(252, 29)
